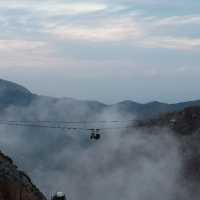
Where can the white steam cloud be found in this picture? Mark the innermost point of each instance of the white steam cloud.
(129, 165)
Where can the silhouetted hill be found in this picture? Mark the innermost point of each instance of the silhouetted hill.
(14, 94)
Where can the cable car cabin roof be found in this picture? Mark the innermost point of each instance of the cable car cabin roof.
(59, 196)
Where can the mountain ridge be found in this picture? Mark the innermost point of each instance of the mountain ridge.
(14, 94)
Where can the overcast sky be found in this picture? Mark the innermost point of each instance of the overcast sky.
(107, 50)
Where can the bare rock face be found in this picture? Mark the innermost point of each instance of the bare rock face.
(15, 184)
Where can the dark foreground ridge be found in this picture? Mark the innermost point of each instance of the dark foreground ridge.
(15, 184)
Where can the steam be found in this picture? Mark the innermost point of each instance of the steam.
(130, 165)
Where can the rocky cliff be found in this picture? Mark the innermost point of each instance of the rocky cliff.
(15, 184)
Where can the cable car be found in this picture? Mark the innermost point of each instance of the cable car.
(59, 196)
(95, 135)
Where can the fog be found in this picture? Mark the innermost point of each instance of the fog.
(125, 164)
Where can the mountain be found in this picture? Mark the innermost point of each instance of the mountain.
(185, 125)
(151, 109)
(69, 156)
(15, 184)
(12, 94)
(184, 122)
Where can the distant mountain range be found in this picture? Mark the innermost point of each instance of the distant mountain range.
(49, 153)
(12, 94)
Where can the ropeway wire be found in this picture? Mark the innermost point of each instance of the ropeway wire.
(69, 122)
(35, 125)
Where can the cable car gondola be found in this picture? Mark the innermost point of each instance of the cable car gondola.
(59, 196)
(95, 135)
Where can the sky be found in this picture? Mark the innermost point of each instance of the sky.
(106, 50)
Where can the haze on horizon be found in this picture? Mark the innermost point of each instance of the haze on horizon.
(108, 50)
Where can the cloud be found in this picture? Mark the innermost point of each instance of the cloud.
(177, 20)
(75, 8)
(115, 23)
(172, 43)
(26, 53)
(110, 31)
(20, 45)
(124, 164)
(56, 8)
(41, 31)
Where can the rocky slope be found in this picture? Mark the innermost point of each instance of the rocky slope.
(15, 184)
(185, 125)
(185, 122)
